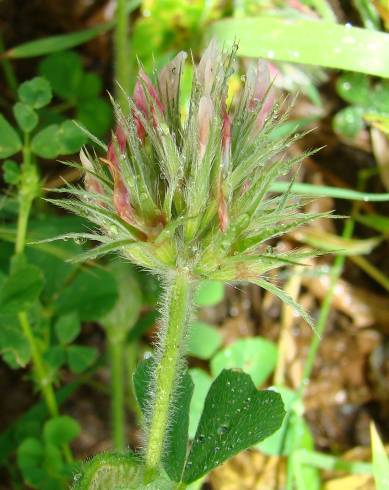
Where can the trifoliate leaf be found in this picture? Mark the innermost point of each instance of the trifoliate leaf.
(64, 72)
(36, 92)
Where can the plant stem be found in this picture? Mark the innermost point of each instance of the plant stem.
(40, 372)
(27, 193)
(121, 53)
(26, 196)
(168, 364)
(116, 349)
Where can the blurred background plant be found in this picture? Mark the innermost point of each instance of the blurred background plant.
(58, 61)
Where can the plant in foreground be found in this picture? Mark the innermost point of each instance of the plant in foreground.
(189, 199)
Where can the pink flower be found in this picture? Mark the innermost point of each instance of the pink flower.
(121, 196)
(145, 98)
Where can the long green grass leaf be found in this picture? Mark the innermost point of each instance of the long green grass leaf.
(328, 191)
(311, 42)
(61, 42)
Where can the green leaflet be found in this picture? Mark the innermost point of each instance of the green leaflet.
(256, 357)
(92, 294)
(203, 340)
(235, 417)
(10, 142)
(21, 288)
(209, 293)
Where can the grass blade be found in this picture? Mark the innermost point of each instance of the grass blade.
(328, 191)
(61, 42)
(311, 42)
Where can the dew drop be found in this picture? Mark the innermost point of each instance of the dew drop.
(222, 430)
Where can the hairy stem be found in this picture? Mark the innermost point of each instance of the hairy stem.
(116, 349)
(168, 364)
(121, 53)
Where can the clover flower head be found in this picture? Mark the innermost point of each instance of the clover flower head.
(194, 192)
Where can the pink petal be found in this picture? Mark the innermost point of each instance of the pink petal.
(205, 116)
(140, 98)
(169, 78)
(208, 67)
(121, 137)
(121, 200)
(143, 103)
(257, 91)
